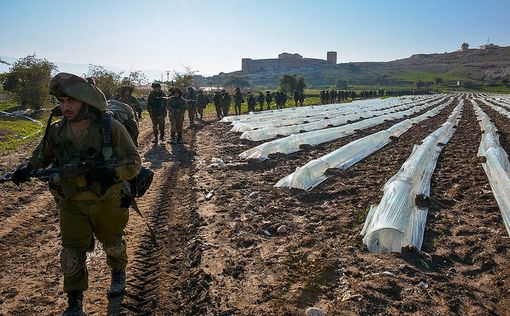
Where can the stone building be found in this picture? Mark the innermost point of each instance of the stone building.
(285, 61)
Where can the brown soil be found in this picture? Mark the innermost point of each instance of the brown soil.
(222, 255)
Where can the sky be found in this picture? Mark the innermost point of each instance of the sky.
(212, 36)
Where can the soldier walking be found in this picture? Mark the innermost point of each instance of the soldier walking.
(126, 96)
(238, 100)
(226, 100)
(217, 104)
(269, 99)
(156, 106)
(191, 99)
(296, 98)
(93, 202)
(176, 106)
(260, 100)
(202, 101)
(251, 102)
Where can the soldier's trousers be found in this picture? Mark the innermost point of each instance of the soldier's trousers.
(192, 113)
(237, 108)
(176, 122)
(158, 124)
(80, 221)
(219, 114)
(200, 110)
(225, 109)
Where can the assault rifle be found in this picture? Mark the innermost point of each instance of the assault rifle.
(56, 173)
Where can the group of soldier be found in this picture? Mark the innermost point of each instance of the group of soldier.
(333, 96)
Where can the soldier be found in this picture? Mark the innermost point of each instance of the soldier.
(127, 97)
(260, 100)
(269, 99)
(217, 104)
(296, 97)
(202, 101)
(226, 100)
(301, 98)
(156, 106)
(238, 99)
(93, 203)
(191, 98)
(176, 106)
(251, 102)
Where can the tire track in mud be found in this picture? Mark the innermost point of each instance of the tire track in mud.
(166, 279)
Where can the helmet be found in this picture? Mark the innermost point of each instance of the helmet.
(124, 88)
(155, 85)
(66, 84)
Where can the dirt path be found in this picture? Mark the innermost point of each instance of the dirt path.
(229, 243)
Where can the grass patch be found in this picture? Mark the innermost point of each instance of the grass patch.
(16, 131)
(8, 106)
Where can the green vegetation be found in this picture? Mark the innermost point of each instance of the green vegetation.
(16, 131)
(416, 75)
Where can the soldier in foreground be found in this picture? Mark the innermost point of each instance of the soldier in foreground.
(156, 106)
(126, 96)
(176, 106)
(92, 203)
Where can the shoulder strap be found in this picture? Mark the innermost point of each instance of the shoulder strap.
(107, 136)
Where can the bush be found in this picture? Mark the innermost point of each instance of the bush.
(31, 78)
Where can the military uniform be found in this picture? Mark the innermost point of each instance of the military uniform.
(202, 101)
(251, 102)
(260, 100)
(132, 102)
(269, 99)
(226, 100)
(217, 104)
(176, 106)
(156, 106)
(191, 97)
(93, 203)
(238, 100)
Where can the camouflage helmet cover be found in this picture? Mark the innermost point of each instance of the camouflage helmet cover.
(66, 84)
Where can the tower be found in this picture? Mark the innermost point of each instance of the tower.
(331, 58)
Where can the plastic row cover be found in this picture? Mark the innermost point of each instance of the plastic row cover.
(303, 111)
(272, 132)
(313, 173)
(496, 166)
(397, 222)
(316, 113)
(292, 143)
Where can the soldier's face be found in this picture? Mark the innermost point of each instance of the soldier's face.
(70, 107)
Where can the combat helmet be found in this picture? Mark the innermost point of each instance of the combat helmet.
(155, 85)
(66, 84)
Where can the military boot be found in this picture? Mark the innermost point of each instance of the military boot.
(118, 282)
(75, 304)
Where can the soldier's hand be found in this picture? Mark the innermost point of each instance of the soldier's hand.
(22, 174)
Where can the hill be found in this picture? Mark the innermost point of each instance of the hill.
(477, 66)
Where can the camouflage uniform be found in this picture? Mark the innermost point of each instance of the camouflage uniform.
(131, 101)
(269, 99)
(238, 100)
(217, 104)
(251, 102)
(92, 204)
(156, 106)
(226, 100)
(176, 106)
(260, 100)
(202, 101)
(191, 97)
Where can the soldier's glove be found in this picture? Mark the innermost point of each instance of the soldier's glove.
(22, 174)
(106, 177)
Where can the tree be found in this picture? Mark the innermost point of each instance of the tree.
(341, 83)
(106, 80)
(32, 77)
(184, 79)
(288, 83)
(236, 81)
(135, 78)
(301, 85)
(464, 46)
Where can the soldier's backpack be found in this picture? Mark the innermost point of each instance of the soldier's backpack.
(124, 113)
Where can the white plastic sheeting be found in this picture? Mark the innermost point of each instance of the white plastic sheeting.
(316, 113)
(337, 120)
(312, 174)
(292, 143)
(397, 222)
(496, 166)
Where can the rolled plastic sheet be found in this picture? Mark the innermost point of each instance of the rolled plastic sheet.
(313, 173)
(293, 142)
(397, 221)
(496, 165)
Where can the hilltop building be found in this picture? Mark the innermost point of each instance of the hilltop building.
(286, 61)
